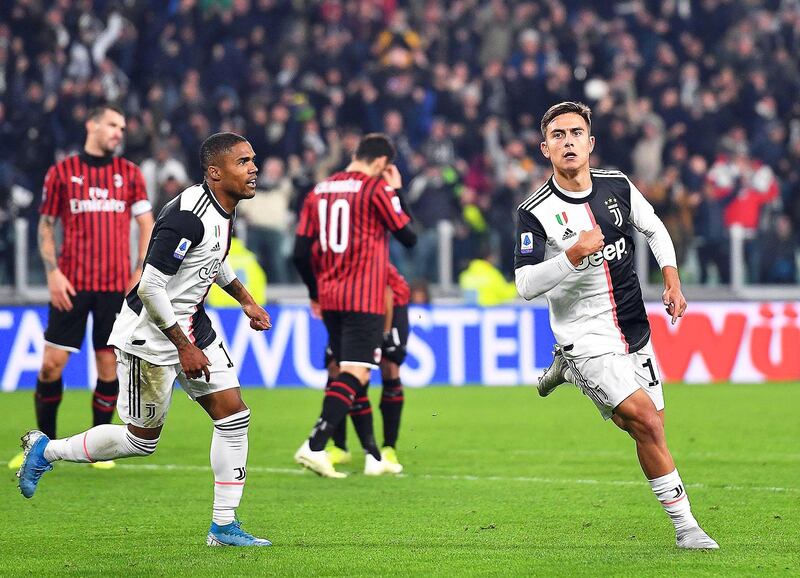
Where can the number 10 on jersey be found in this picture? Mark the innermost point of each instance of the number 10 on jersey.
(336, 233)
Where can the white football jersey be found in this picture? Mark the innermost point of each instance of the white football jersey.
(190, 241)
(597, 308)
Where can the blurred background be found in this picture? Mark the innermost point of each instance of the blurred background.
(695, 100)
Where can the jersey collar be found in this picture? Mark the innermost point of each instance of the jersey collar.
(574, 197)
(94, 160)
(214, 201)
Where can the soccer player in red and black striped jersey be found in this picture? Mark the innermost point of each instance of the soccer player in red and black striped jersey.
(348, 215)
(94, 194)
(393, 354)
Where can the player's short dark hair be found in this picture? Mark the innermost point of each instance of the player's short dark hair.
(217, 144)
(373, 146)
(566, 107)
(99, 109)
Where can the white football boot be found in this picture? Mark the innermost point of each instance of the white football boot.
(318, 462)
(554, 375)
(695, 539)
(373, 467)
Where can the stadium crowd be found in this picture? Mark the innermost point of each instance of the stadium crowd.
(695, 101)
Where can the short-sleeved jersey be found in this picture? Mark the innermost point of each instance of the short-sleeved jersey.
(597, 309)
(190, 241)
(400, 290)
(350, 214)
(95, 197)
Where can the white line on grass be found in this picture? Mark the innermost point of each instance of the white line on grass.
(467, 478)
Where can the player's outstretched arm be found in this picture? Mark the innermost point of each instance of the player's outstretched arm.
(259, 318)
(673, 298)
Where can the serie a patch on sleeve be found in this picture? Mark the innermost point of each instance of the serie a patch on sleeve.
(526, 243)
(398, 208)
(182, 249)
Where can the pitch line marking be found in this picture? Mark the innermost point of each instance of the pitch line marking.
(466, 478)
(469, 478)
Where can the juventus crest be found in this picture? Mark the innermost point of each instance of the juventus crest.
(613, 207)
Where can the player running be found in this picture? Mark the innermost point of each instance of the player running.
(393, 354)
(93, 194)
(575, 246)
(163, 334)
(348, 214)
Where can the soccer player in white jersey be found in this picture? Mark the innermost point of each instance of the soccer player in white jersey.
(163, 334)
(575, 247)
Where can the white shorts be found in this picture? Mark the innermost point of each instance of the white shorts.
(145, 389)
(611, 378)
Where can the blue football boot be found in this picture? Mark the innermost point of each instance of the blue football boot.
(33, 464)
(233, 535)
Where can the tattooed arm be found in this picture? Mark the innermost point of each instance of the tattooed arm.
(193, 361)
(58, 284)
(259, 318)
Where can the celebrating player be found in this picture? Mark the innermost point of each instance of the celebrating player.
(393, 354)
(574, 245)
(348, 214)
(163, 333)
(94, 195)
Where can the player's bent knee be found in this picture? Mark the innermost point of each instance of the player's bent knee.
(139, 446)
(646, 428)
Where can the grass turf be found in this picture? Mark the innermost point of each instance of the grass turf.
(499, 482)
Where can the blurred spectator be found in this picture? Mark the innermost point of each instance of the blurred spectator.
(779, 253)
(269, 220)
(159, 169)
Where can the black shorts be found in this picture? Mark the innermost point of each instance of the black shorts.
(354, 337)
(394, 344)
(65, 329)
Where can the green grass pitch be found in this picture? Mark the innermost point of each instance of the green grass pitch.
(499, 482)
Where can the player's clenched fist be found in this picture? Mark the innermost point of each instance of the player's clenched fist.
(588, 242)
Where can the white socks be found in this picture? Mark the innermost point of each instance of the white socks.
(229, 462)
(671, 493)
(101, 443)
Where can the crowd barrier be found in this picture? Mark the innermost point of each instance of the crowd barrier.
(456, 345)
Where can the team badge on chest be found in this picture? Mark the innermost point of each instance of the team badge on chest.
(613, 207)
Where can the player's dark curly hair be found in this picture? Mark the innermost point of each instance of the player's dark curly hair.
(566, 107)
(217, 144)
(373, 146)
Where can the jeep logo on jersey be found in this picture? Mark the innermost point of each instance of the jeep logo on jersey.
(210, 271)
(613, 208)
(611, 252)
(526, 243)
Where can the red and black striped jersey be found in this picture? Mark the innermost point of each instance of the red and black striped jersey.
(401, 292)
(95, 197)
(350, 214)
